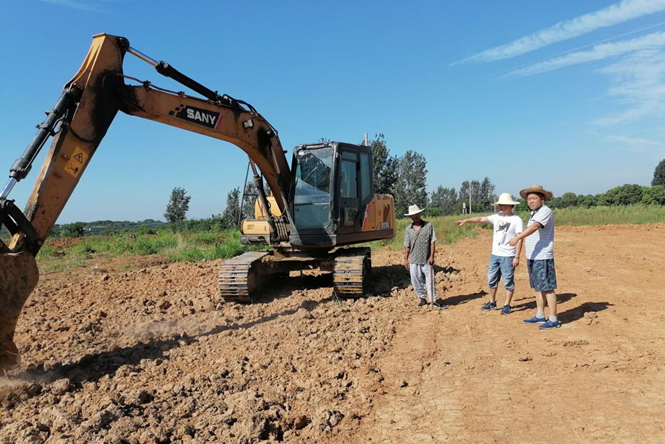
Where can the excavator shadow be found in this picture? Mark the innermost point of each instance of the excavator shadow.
(94, 366)
(281, 288)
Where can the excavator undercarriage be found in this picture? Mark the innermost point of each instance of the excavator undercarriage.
(241, 277)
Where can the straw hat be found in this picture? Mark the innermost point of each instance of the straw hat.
(536, 189)
(413, 209)
(505, 199)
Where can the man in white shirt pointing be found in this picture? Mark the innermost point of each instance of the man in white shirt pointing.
(505, 257)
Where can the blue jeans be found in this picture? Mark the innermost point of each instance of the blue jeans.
(501, 266)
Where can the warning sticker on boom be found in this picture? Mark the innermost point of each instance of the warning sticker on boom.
(75, 165)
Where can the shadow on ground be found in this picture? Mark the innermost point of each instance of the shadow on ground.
(561, 298)
(577, 313)
(464, 298)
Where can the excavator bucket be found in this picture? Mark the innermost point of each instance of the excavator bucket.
(18, 277)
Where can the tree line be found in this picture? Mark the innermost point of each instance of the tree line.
(405, 178)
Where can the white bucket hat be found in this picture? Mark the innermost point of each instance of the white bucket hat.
(505, 199)
(413, 209)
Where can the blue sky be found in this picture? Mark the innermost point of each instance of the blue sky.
(570, 95)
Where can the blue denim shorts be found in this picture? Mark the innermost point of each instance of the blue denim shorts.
(501, 266)
(542, 275)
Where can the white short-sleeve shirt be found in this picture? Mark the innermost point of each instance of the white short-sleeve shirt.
(505, 228)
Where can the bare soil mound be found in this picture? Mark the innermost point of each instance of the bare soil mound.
(151, 355)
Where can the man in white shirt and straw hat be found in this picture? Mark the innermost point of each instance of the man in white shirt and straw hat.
(539, 249)
(505, 257)
(419, 251)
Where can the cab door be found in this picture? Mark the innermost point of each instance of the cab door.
(349, 202)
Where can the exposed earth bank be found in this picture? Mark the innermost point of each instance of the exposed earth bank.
(149, 354)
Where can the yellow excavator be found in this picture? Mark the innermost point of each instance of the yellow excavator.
(321, 204)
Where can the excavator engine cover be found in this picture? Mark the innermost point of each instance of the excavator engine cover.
(18, 277)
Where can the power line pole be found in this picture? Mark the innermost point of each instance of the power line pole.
(470, 188)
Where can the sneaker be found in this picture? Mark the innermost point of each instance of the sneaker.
(535, 320)
(549, 324)
(422, 302)
(489, 306)
(506, 310)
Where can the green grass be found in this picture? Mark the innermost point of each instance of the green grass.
(614, 215)
(447, 232)
(619, 215)
(177, 247)
(210, 245)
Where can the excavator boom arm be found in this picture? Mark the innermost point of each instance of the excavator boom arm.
(95, 95)
(79, 122)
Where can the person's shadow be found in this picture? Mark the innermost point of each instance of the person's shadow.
(561, 298)
(385, 278)
(577, 313)
(464, 298)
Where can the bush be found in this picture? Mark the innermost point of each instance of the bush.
(624, 195)
(144, 229)
(653, 195)
(76, 229)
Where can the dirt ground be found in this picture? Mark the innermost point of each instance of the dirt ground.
(150, 355)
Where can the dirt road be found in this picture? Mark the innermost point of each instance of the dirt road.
(149, 355)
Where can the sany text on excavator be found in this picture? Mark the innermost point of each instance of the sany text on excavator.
(321, 204)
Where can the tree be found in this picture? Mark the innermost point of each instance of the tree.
(659, 174)
(385, 166)
(586, 201)
(251, 194)
(76, 229)
(654, 195)
(445, 199)
(624, 195)
(569, 200)
(521, 206)
(486, 196)
(176, 210)
(231, 214)
(411, 184)
(482, 195)
(555, 202)
(250, 198)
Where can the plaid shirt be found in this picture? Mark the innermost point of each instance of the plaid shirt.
(419, 243)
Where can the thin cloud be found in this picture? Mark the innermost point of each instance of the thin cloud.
(612, 15)
(635, 143)
(83, 5)
(638, 84)
(598, 52)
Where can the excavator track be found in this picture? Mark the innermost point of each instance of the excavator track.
(351, 272)
(239, 276)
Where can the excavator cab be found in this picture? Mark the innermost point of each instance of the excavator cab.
(333, 202)
(333, 197)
